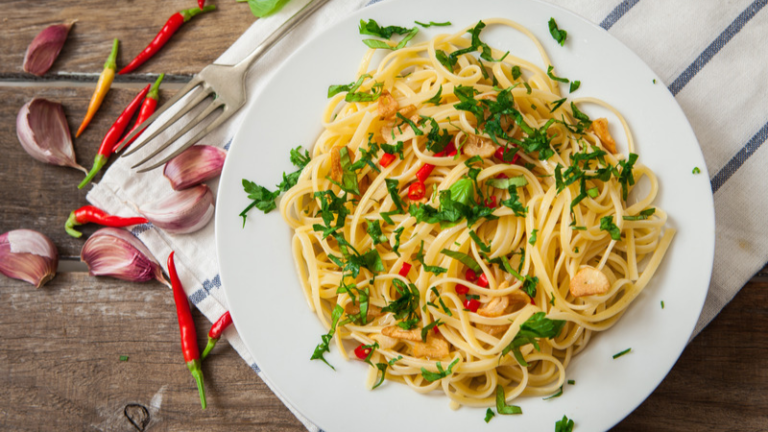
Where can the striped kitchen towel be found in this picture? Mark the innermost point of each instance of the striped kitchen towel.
(711, 55)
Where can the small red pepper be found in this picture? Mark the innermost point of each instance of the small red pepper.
(214, 334)
(416, 191)
(436, 330)
(500, 155)
(470, 275)
(113, 136)
(502, 176)
(482, 281)
(473, 305)
(490, 202)
(386, 159)
(461, 289)
(147, 109)
(405, 269)
(187, 327)
(171, 26)
(362, 352)
(91, 214)
(426, 169)
(201, 3)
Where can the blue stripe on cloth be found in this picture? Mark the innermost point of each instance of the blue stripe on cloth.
(255, 367)
(617, 13)
(738, 160)
(198, 296)
(215, 282)
(139, 229)
(716, 46)
(229, 143)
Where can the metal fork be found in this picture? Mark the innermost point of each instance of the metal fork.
(224, 83)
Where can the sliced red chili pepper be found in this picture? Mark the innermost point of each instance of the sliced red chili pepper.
(171, 26)
(187, 327)
(470, 275)
(436, 330)
(113, 136)
(386, 159)
(461, 289)
(147, 109)
(533, 302)
(405, 269)
(214, 334)
(423, 173)
(362, 352)
(482, 281)
(502, 176)
(91, 214)
(201, 3)
(490, 202)
(472, 304)
(499, 154)
(416, 190)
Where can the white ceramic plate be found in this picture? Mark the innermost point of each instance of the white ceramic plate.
(272, 316)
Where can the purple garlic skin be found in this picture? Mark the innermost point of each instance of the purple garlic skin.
(43, 132)
(28, 255)
(196, 165)
(117, 253)
(44, 49)
(181, 212)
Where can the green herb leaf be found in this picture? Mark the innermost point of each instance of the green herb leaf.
(593, 193)
(617, 355)
(549, 74)
(606, 224)
(558, 394)
(351, 87)
(501, 403)
(398, 232)
(489, 414)
(429, 327)
(348, 177)
(572, 382)
(379, 44)
(123, 358)
(432, 23)
(514, 203)
(406, 307)
(516, 72)
(574, 86)
(482, 246)
(506, 183)
(557, 34)
(323, 347)
(435, 100)
(432, 376)
(263, 199)
(464, 259)
(264, 8)
(373, 28)
(643, 215)
(394, 149)
(537, 326)
(393, 186)
(532, 239)
(557, 104)
(432, 269)
(374, 230)
(696, 170)
(564, 425)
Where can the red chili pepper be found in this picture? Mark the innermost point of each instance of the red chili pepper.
(490, 202)
(361, 352)
(482, 281)
(113, 136)
(472, 305)
(461, 289)
(436, 330)
(424, 172)
(470, 275)
(187, 327)
(502, 176)
(416, 191)
(170, 27)
(214, 334)
(147, 109)
(201, 3)
(533, 302)
(91, 214)
(405, 269)
(500, 155)
(386, 159)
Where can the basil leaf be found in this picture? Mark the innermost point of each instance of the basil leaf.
(264, 8)
(482, 246)
(429, 327)
(463, 191)
(557, 34)
(643, 215)
(351, 87)
(432, 376)
(606, 224)
(374, 230)
(464, 259)
(506, 183)
(373, 28)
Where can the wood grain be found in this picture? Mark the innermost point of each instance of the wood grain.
(38, 196)
(61, 370)
(135, 22)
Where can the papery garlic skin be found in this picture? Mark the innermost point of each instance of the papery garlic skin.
(196, 165)
(43, 132)
(28, 255)
(117, 253)
(44, 48)
(182, 212)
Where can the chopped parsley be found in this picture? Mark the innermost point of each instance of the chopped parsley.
(537, 326)
(432, 376)
(558, 35)
(606, 224)
(323, 347)
(432, 23)
(617, 355)
(394, 149)
(410, 123)
(464, 259)
(558, 394)
(331, 205)
(380, 44)
(123, 358)
(372, 28)
(349, 181)
(501, 403)
(532, 239)
(435, 100)
(405, 307)
(264, 199)
(374, 230)
(432, 269)
(572, 382)
(442, 303)
(382, 367)
(429, 327)
(353, 261)
(482, 246)
(564, 425)
(505, 183)
(550, 68)
(696, 170)
(450, 60)
(515, 71)
(662, 304)
(557, 104)
(398, 232)
(574, 86)
(489, 414)
(643, 215)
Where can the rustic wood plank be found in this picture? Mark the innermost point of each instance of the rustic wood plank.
(39, 196)
(62, 345)
(135, 23)
(61, 369)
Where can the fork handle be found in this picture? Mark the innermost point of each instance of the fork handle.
(281, 31)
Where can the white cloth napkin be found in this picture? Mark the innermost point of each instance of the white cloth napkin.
(711, 55)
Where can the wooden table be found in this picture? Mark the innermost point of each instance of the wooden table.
(60, 365)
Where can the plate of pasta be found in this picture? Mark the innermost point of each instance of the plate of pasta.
(485, 212)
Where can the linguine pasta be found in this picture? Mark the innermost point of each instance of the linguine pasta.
(515, 249)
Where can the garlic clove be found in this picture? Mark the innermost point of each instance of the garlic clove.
(29, 256)
(197, 164)
(44, 49)
(119, 254)
(43, 132)
(182, 212)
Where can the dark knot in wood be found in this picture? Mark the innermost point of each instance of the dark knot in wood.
(138, 415)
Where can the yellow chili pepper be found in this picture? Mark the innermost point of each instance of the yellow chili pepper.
(102, 87)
